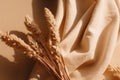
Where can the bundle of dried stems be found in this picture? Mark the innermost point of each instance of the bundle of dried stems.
(48, 53)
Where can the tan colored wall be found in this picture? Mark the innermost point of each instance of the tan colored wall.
(13, 64)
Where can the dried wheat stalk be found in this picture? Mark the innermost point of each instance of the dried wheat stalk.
(112, 73)
(47, 53)
(53, 44)
(15, 42)
(39, 38)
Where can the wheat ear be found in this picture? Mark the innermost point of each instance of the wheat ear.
(53, 44)
(15, 42)
(112, 73)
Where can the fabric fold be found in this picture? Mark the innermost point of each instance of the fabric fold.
(93, 53)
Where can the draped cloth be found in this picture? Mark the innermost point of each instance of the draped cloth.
(89, 31)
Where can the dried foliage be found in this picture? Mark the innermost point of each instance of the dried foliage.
(48, 53)
(112, 73)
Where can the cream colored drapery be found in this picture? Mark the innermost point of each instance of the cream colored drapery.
(89, 33)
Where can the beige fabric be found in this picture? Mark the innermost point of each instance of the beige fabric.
(89, 36)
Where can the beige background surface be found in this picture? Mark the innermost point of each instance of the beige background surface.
(13, 64)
